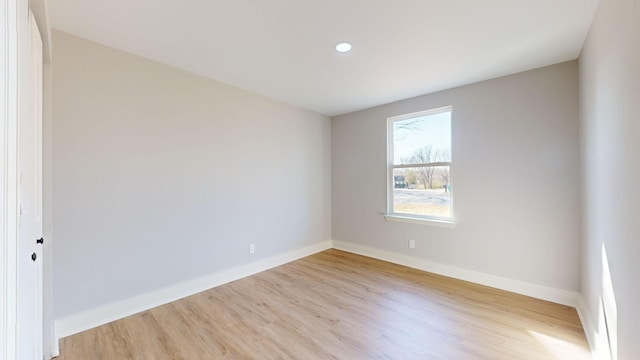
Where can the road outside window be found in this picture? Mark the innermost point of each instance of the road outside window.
(419, 170)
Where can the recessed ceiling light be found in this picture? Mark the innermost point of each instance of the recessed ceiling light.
(343, 47)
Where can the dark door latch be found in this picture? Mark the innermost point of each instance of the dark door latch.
(34, 256)
(40, 241)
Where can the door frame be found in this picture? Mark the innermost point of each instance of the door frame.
(14, 33)
(9, 44)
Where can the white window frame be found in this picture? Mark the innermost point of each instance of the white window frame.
(447, 221)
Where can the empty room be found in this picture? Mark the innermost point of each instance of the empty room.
(411, 179)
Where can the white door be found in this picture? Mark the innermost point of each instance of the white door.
(29, 327)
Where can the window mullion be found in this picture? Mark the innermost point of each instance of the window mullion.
(405, 166)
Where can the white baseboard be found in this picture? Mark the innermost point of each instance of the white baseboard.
(54, 351)
(110, 312)
(596, 337)
(555, 295)
(587, 324)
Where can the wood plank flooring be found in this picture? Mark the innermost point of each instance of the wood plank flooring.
(337, 305)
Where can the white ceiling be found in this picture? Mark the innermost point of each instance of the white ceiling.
(284, 49)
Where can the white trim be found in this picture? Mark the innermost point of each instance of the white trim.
(421, 221)
(391, 166)
(416, 165)
(429, 112)
(587, 324)
(51, 346)
(547, 293)
(107, 313)
(3, 177)
(39, 9)
(110, 312)
(9, 46)
(597, 339)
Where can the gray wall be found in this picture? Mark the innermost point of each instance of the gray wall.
(610, 124)
(161, 176)
(515, 178)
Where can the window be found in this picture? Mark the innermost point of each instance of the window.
(419, 166)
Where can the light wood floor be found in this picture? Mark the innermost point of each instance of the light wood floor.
(336, 305)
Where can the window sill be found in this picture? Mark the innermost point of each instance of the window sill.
(421, 221)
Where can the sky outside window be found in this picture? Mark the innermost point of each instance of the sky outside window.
(412, 134)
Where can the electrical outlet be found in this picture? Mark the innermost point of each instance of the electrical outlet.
(412, 244)
(252, 248)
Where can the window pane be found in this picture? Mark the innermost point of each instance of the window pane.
(422, 191)
(423, 139)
